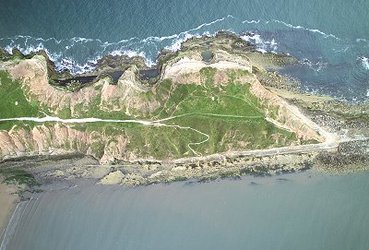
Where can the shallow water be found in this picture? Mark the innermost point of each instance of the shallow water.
(298, 211)
(330, 38)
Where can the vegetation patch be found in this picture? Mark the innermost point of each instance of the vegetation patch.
(8, 125)
(13, 101)
(18, 176)
(230, 133)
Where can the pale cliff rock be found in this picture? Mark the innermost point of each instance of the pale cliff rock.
(59, 139)
(127, 95)
(113, 178)
(286, 115)
(36, 85)
(114, 149)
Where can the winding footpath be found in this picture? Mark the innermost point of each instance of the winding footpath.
(98, 120)
(331, 140)
(142, 122)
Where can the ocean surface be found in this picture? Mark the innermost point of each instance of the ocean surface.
(298, 211)
(330, 38)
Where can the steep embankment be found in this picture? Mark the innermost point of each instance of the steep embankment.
(60, 139)
(277, 110)
(126, 96)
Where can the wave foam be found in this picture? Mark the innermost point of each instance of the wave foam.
(316, 66)
(364, 62)
(251, 21)
(79, 54)
(261, 44)
(304, 28)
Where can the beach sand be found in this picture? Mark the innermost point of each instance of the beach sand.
(8, 200)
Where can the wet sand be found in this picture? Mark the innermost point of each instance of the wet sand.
(8, 201)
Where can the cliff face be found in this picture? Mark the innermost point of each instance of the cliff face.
(60, 139)
(285, 114)
(33, 73)
(187, 70)
(126, 96)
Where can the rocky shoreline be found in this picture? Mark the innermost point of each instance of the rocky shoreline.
(349, 157)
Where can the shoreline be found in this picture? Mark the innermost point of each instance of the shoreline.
(8, 200)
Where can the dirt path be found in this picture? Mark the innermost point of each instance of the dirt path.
(331, 140)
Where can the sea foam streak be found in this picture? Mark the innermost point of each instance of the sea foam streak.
(304, 28)
(65, 50)
(364, 62)
(251, 21)
(79, 54)
(261, 44)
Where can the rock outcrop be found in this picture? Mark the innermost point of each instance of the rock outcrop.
(128, 95)
(288, 116)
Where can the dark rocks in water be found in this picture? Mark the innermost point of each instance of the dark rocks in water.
(165, 56)
(207, 56)
(116, 75)
(149, 74)
(79, 79)
(83, 80)
(282, 179)
(348, 153)
(337, 160)
(16, 53)
(4, 55)
(306, 166)
(121, 62)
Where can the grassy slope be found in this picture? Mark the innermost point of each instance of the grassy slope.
(228, 113)
(13, 102)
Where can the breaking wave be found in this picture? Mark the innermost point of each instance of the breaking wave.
(314, 65)
(262, 45)
(306, 29)
(80, 54)
(364, 62)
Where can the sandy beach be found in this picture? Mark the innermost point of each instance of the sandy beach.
(8, 201)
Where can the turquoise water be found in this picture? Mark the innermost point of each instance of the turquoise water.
(299, 211)
(330, 38)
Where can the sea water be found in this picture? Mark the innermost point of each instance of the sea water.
(297, 211)
(329, 38)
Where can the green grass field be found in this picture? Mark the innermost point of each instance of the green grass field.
(13, 102)
(229, 114)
